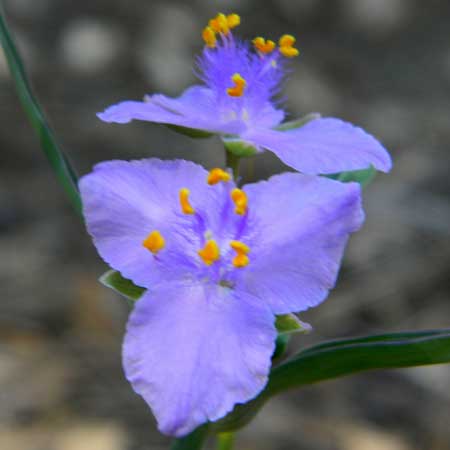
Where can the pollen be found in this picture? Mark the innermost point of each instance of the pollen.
(217, 175)
(241, 259)
(219, 24)
(262, 45)
(184, 202)
(154, 242)
(286, 43)
(233, 20)
(210, 253)
(239, 85)
(209, 36)
(239, 198)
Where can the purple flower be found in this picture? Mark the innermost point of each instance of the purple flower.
(218, 263)
(236, 100)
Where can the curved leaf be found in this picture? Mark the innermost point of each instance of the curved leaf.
(58, 161)
(345, 357)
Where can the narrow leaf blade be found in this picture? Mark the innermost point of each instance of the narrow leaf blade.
(342, 358)
(59, 163)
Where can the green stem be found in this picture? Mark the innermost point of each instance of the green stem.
(225, 441)
(232, 161)
(57, 159)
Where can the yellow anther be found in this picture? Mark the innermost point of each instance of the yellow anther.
(241, 259)
(219, 24)
(184, 202)
(154, 242)
(233, 20)
(209, 36)
(239, 85)
(262, 45)
(210, 253)
(286, 43)
(217, 175)
(239, 198)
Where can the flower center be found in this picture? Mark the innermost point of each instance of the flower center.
(210, 252)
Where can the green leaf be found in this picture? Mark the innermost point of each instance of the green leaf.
(297, 123)
(290, 323)
(191, 132)
(239, 148)
(363, 177)
(345, 357)
(193, 441)
(123, 286)
(58, 161)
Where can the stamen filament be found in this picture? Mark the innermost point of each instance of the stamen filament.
(210, 253)
(154, 242)
(239, 85)
(217, 175)
(241, 259)
(239, 198)
(186, 207)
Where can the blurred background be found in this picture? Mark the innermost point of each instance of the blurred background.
(382, 64)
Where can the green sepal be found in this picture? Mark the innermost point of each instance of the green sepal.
(290, 323)
(191, 132)
(297, 123)
(281, 344)
(239, 148)
(115, 281)
(193, 441)
(363, 177)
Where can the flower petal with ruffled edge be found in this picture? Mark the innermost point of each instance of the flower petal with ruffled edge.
(193, 351)
(299, 226)
(323, 146)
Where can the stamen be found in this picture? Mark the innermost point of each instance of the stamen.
(154, 242)
(219, 24)
(286, 43)
(217, 175)
(239, 198)
(184, 202)
(241, 259)
(233, 20)
(210, 253)
(262, 45)
(239, 85)
(209, 36)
